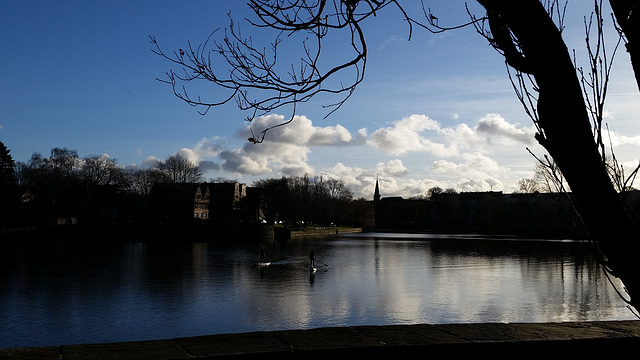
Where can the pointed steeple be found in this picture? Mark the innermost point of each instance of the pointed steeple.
(376, 194)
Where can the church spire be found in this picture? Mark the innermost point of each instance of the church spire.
(376, 194)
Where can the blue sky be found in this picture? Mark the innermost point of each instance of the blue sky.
(438, 110)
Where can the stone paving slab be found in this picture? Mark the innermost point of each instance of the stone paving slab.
(327, 338)
(411, 335)
(497, 340)
(152, 350)
(570, 331)
(31, 353)
(232, 344)
(628, 328)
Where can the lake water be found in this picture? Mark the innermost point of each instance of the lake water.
(58, 293)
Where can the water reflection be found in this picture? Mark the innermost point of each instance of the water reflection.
(54, 293)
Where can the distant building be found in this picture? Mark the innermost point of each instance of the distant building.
(394, 212)
(214, 202)
(179, 202)
(227, 200)
(538, 214)
(397, 213)
(253, 206)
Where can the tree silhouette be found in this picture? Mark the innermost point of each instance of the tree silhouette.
(8, 185)
(295, 199)
(256, 78)
(7, 167)
(179, 169)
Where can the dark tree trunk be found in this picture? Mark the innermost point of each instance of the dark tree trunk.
(567, 135)
(627, 13)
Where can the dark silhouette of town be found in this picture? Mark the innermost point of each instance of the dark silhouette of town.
(232, 208)
(53, 199)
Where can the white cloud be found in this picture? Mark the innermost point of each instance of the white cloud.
(353, 176)
(209, 147)
(285, 150)
(360, 181)
(630, 165)
(463, 136)
(496, 127)
(392, 168)
(477, 173)
(461, 155)
(471, 184)
(301, 132)
(149, 162)
(406, 135)
(474, 163)
(236, 161)
(190, 155)
(419, 133)
(408, 188)
(619, 139)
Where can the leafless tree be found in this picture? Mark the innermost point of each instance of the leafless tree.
(100, 170)
(528, 186)
(179, 169)
(141, 180)
(254, 75)
(533, 46)
(434, 191)
(62, 162)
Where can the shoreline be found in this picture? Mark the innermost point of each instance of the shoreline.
(222, 232)
(495, 339)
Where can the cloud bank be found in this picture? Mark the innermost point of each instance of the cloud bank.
(415, 154)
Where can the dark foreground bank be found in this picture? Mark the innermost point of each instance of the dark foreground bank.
(608, 338)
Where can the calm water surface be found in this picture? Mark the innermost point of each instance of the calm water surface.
(59, 293)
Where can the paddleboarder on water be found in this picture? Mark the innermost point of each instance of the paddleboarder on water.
(312, 259)
(263, 252)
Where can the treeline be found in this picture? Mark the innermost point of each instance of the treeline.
(64, 166)
(300, 200)
(63, 185)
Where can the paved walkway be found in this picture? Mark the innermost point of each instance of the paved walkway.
(495, 340)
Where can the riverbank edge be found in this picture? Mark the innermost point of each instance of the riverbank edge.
(499, 340)
(169, 232)
(281, 233)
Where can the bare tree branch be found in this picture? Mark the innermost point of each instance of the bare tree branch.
(256, 78)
